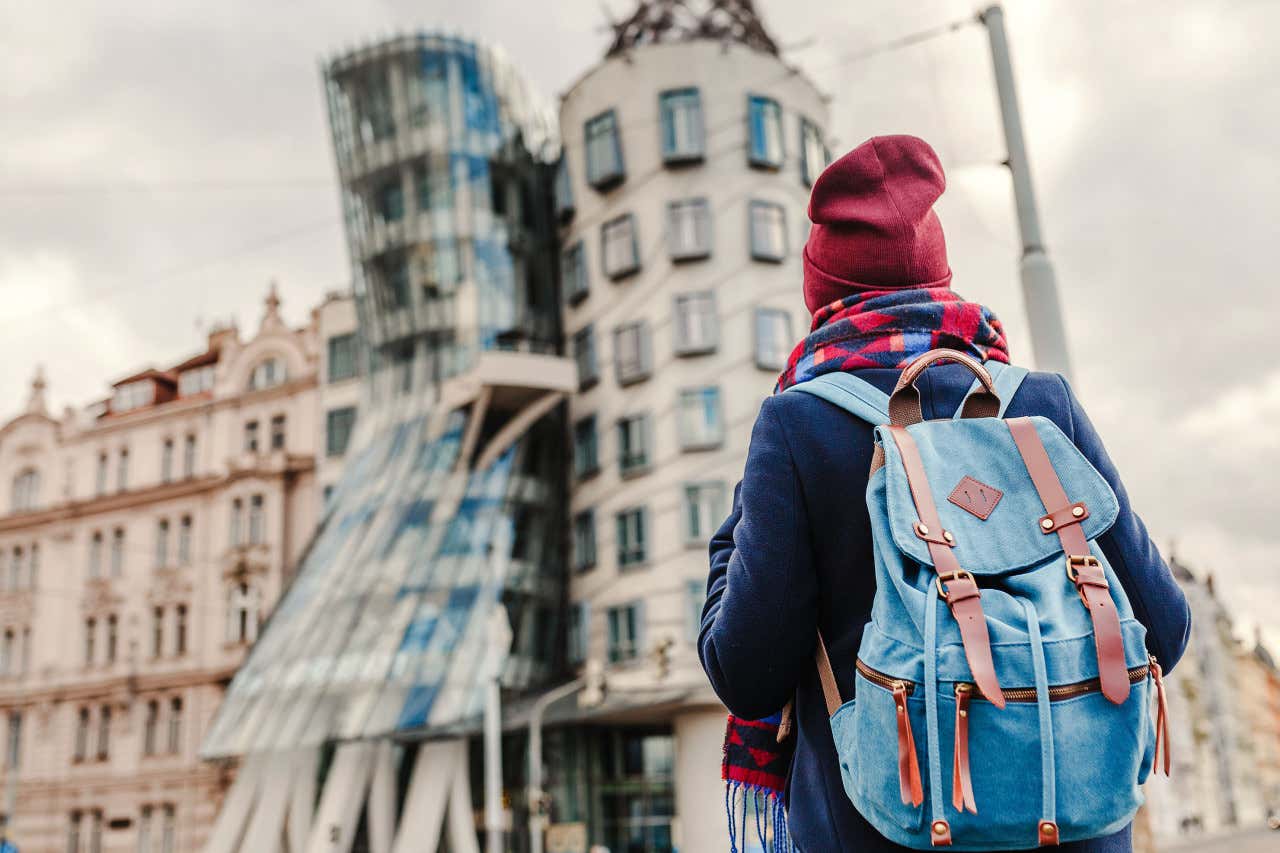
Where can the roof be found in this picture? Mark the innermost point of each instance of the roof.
(664, 21)
(207, 357)
(150, 373)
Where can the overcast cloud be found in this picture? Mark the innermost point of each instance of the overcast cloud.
(163, 161)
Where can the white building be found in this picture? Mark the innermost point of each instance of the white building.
(683, 193)
(142, 543)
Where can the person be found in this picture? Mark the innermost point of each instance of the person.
(795, 554)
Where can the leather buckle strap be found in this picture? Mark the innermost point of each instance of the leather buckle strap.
(1083, 569)
(961, 590)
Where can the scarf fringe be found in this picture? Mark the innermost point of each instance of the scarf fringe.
(765, 806)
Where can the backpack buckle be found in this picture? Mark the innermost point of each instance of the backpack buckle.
(1075, 563)
(952, 576)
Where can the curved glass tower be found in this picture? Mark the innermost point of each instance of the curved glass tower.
(449, 510)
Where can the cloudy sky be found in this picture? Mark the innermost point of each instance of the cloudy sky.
(163, 161)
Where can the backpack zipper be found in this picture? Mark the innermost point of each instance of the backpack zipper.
(1057, 692)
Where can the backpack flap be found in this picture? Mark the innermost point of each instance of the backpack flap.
(985, 498)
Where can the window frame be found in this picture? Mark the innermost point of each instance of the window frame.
(334, 417)
(688, 501)
(340, 350)
(586, 548)
(599, 180)
(643, 368)
(636, 642)
(702, 249)
(762, 160)
(807, 173)
(682, 345)
(582, 428)
(634, 266)
(643, 461)
(758, 252)
(586, 335)
(579, 287)
(631, 555)
(672, 155)
(687, 441)
(759, 314)
(578, 635)
(565, 208)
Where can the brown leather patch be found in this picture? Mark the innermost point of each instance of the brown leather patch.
(976, 498)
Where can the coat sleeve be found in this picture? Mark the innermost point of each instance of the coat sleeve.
(759, 621)
(1158, 601)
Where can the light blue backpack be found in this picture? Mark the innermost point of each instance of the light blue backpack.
(1001, 648)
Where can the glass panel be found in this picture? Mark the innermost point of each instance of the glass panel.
(696, 323)
(813, 152)
(768, 231)
(604, 150)
(681, 125)
(631, 352)
(584, 354)
(688, 229)
(621, 252)
(773, 338)
(764, 120)
(700, 423)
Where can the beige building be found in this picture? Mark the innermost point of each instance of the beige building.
(143, 541)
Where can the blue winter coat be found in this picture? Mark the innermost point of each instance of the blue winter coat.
(795, 556)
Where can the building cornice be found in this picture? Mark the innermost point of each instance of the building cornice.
(118, 687)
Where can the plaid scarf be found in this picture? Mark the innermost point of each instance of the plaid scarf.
(877, 328)
(888, 328)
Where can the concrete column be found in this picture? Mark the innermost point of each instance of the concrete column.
(699, 741)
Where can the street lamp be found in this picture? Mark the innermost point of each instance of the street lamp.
(592, 685)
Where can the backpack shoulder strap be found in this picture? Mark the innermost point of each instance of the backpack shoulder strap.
(1007, 377)
(850, 393)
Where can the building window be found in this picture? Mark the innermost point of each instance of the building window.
(122, 473)
(90, 639)
(195, 381)
(696, 326)
(388, 201)
(33, 568)
(117, 552)
(631, 532)
(168, 828)
(768, 231)
(584, 355)
(704, 510)
(144, 827)
(573, 274)
(180, 630)
(104, 733)
(634, 440)
(696, 596)
(586, 447)
(189, 457)
(631, 353)
(584, 540)
(162, 543)
(26, 490)
(100, 479)
(604, 151)
(620, 246)
(81, 749)
(813, 152)
(150, 732)
(95, 831)
(688, 229)
(237, 522)
(113, 638)
(242, 614)
(342, 357)
(13, 750)
(73, 833)
(133, 395)
(184, 541)
(773, 338)
(624, 632)
(175, 725)
(338, 426)
(564, 192)
(764, 125)
(166, 461)
(579, 632)
(682, 131)
(257, 520)
(15, 578)
(157, 631)
(26, 650)
(701, 424)
(278, 432)
(267, 374)
(7, 653)
(95, 554)
(251, 437)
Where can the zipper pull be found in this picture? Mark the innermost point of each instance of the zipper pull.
(909, 783)
(961, 781)
(1162, 718)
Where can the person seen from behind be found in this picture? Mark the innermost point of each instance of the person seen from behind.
(794, 561)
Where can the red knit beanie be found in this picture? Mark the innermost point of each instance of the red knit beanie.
(873, 222)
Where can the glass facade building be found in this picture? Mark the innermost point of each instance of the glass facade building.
(451, 501)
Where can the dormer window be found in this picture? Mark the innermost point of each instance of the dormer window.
(133, 395)
(267, 374)
(195, 381)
